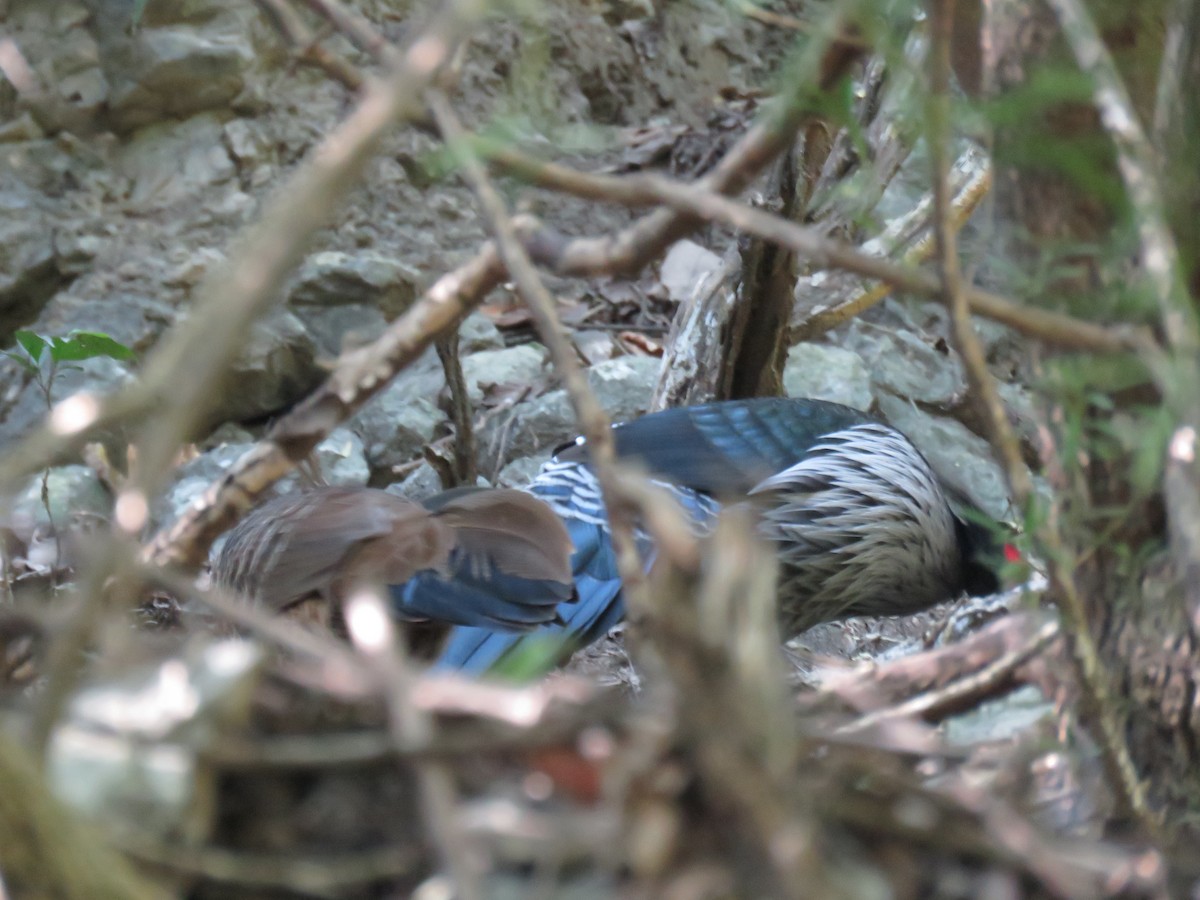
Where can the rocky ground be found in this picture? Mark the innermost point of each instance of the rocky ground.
(145, 143)
(148, 149)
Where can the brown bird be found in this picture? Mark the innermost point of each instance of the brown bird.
(493, 558)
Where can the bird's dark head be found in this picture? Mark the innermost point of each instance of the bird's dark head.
(984, 551)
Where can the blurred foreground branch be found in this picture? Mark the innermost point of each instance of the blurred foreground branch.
(45, 851)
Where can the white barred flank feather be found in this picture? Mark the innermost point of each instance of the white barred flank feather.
(862, 528)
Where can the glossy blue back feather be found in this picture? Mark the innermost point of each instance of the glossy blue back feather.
(726, 448)
(571, 490)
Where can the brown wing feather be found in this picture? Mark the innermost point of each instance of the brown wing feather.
(300, 545)
(518, 531)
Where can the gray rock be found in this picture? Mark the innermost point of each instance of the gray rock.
(39, 172)
(525, 429)
(175, 71)
(28, 405)
(275, 369)
(520, 472)
(227, 433)
(521, 365)
(75, 246)
(336, 329)
(340, 457)
(1022, 411)
(175, 12)
(234, 207)
(959, 456)
(192, 478)
(905, 365)
(477, 332)
(176, 160)
(623, 386)
(20, 129)
(367, 276)
(685, 267)
(346, 299)
(421, 482)
(66, 59)
(823, 372)
(395, 427)
(28, 271)
(595, 346)
(72, 490)
(135, 320)
(246, 143)
(343, 459)
(999, 720)
(191, 265)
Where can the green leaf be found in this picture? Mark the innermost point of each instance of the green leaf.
(23, 361)
(531, 658)
(32, 343)
(79, 345)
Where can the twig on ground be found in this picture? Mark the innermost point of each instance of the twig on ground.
(308, 875)
(826, 59)
(977, 683)
(509, 718)
(887, 684)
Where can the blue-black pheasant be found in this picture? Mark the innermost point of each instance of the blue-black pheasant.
(861, 524)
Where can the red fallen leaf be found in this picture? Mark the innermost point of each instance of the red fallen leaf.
(643, 343)
(573, 774)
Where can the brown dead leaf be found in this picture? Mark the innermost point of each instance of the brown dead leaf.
(640, 343)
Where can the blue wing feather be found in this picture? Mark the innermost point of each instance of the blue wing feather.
(571, 490)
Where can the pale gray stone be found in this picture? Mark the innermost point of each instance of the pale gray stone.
(960, 457)
(524, 364)
(822, 372)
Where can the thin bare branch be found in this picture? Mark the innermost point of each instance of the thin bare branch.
(592, 418)
(980, 381)
(1137, 163)
(460, 410)
(819, 250)
(1099, 702)
(306, 46)
(48, 852)
(196, 351)
(360, 374)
